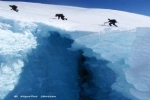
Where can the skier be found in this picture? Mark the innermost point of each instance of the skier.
(14, 7)
(61, 16)
(112, 21)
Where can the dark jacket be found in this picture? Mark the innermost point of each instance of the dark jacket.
(14, 7)
(112, 21)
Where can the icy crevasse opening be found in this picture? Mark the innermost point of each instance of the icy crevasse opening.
(120, 49)
(52, 68)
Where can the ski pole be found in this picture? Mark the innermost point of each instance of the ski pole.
(105, 23)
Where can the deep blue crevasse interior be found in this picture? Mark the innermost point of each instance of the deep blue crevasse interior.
(52, 69)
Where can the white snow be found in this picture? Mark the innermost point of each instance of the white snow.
(78, 18)
(125, 47)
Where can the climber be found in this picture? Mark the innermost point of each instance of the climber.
(14, 7)
(112, 21)
(61, 16)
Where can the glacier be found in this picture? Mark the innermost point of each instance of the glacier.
(75, 59)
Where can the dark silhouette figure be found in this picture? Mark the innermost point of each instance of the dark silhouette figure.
(14, 7)
(61, 16)
(112, 21)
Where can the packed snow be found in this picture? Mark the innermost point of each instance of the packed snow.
(75, 59)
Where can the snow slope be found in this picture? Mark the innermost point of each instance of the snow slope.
(35, 46)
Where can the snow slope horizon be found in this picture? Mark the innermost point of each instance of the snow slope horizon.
(124, 47)
(96, 17)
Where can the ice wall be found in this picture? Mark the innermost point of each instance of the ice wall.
(78, 65)
(138, 75)
(128, 53)
(115, 47)
(15, 44)
(50, 70)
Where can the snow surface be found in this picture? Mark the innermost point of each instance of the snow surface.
(36, 48)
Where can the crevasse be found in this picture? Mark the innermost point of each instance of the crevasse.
(37, 59)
